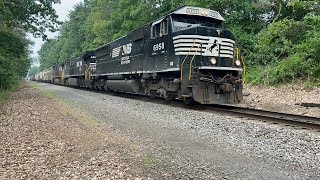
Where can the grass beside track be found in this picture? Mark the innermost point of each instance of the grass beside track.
(4, 95)
(77, 114)
(34, 85)
(69, 108)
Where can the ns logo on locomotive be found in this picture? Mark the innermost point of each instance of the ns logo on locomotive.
(186, 54)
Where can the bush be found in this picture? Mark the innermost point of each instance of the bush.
(14, 62)
(286, 51)
(8, 76)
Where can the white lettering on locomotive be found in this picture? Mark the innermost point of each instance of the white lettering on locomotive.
(192, 11)
(213, 14)
(126, 50)
(159, 46)
(125, 60)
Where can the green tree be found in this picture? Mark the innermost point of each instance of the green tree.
(16, 18)
(34, 16)
(14, 60)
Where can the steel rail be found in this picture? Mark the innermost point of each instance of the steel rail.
(277, 117)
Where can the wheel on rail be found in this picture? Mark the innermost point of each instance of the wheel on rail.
(169, 97)
(188, 101)
(152, 95)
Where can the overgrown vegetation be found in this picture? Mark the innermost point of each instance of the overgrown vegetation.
(287, 51)
(4, 95)
(280, 39)
(16, 19)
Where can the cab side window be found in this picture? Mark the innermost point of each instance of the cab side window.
(159, 29)
(155, 31)
(164, 27)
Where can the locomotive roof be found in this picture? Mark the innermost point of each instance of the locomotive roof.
(185, 10)
(198, 11)
(87, 54)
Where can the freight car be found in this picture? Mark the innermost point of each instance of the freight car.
(47, 75)
(186, 54)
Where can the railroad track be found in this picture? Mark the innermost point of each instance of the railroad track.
(299, 121)
(305, 122)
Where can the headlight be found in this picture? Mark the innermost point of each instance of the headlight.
(238, 63)
(213, 61)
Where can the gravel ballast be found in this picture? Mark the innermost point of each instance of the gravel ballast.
(285, 98)
(43, 138)
(201, 145)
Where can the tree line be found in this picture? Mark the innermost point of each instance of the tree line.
(18, 17)
(280, 38)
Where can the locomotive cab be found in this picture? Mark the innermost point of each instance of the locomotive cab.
(210, 68)
(59, 73)
(186, 54)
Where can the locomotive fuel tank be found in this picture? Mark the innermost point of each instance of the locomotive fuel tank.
(132, 86)
(73, 82)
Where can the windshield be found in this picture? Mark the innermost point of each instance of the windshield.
(181, 21)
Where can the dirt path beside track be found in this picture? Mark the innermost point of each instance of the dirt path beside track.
(45, 139)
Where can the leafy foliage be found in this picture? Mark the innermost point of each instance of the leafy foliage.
(34, 16)
(290, 50)
(16, 18)
(279, 39)
(14, 61)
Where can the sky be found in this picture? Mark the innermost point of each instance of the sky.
(63, 11)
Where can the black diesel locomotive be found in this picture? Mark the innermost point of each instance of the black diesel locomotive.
(186, 54)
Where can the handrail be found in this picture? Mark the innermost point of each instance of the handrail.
(62, 75)
(87, 72)
(181, 68)
(244, 69)
(238, 53)
(190, 70)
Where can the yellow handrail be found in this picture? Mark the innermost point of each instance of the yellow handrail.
(190, 70)
(181, 68)
(87, 72)
(62, 75)
(237, 54)
(244, 69)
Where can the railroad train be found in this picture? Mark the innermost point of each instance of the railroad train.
(186, 54)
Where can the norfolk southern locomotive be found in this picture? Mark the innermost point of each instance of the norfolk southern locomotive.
(186, 55)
